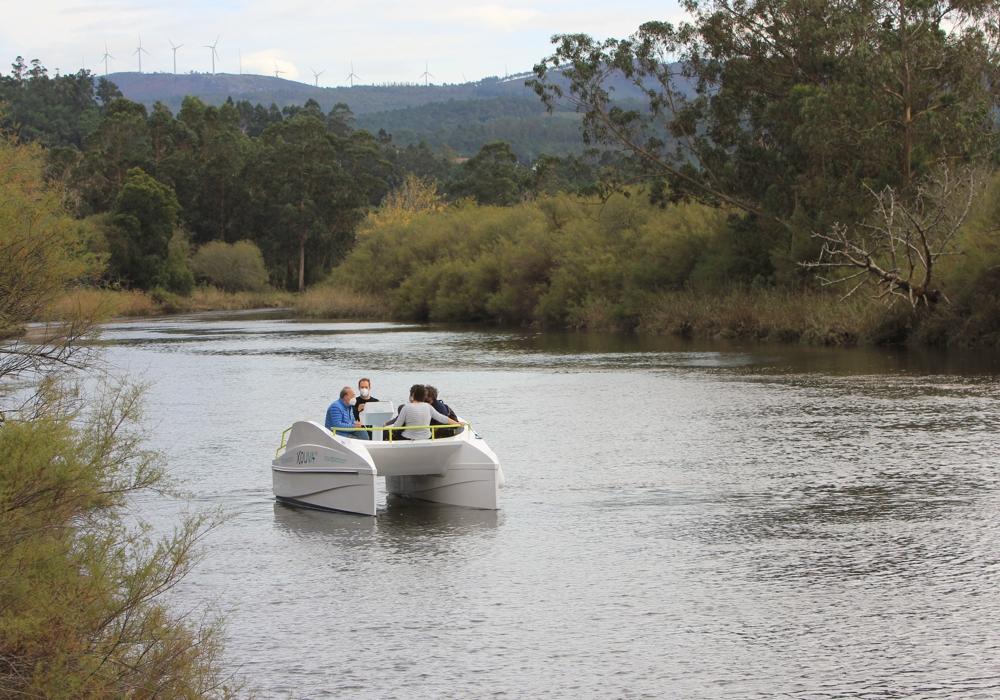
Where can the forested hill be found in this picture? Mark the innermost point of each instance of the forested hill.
(171, 90)
(215, 89)
(460, 117)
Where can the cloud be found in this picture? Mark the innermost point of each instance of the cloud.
(498, 16)
(265, 62)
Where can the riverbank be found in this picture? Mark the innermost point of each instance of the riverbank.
(756, 315)
(107, 303)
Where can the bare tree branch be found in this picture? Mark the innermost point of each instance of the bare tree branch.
(897, 249)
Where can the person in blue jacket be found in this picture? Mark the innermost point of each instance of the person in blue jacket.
(340, 414)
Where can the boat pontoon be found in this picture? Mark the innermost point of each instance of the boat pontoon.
(316, 468)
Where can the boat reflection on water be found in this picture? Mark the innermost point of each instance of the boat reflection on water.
(306, 524)
(402, 516)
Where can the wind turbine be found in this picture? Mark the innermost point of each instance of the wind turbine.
(174, 49)
(139, 52)
(106, 57)
(352, 75)
(240, 52)
(276, 71)
(316, 75)
(215, 53)
(426, 74)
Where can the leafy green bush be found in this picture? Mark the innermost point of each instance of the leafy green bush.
(234, 267)
(81, 609)
(557, 261)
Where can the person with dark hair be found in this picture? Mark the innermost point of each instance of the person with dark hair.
(442, 408)
(340, 414)
(417, 412)
(364, 396)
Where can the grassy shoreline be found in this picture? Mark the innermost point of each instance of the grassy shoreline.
(758, 316)
(120, 304)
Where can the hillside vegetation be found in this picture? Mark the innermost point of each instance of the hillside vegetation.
(460, 118)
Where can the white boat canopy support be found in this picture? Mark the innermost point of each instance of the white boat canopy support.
(318, 469)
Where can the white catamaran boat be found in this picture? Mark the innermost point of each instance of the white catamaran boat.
(316, 468)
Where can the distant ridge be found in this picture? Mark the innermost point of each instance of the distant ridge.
(457, 117)
(171, 90)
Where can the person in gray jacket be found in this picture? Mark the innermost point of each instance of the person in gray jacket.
(417, 412)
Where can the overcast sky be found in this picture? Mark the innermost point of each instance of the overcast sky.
(388, 41)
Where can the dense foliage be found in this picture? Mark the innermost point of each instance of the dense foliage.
(557, 261)
(81, 610)
(41, 246)
(143, 221)
(623, 263)
(54, 112)
(233, 267)
(467, 126)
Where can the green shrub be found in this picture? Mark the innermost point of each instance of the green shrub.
(82, 609)
(234, 267)
(556, 261)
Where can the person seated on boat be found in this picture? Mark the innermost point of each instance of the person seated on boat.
(363, 397)
(340, 414)
(418, 412)
(442, 408)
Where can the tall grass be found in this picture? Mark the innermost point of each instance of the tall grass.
(215, 299)
(108, 303)
(89, 302)
(334, 302)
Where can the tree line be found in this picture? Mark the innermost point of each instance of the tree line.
(294, 181)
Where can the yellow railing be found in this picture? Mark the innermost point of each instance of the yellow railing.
(386, 429)
(284, 441)
(395, 428)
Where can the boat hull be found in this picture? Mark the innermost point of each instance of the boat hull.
(318, 469)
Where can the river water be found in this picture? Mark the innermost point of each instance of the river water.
(678, 521)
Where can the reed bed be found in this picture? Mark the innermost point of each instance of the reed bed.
(334, 302)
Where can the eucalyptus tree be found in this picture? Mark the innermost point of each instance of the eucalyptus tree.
(789, 111)
(120, 142)
(211, 167)
(307, 190)
(492, 176)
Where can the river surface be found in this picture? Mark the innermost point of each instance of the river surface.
(690, 521)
